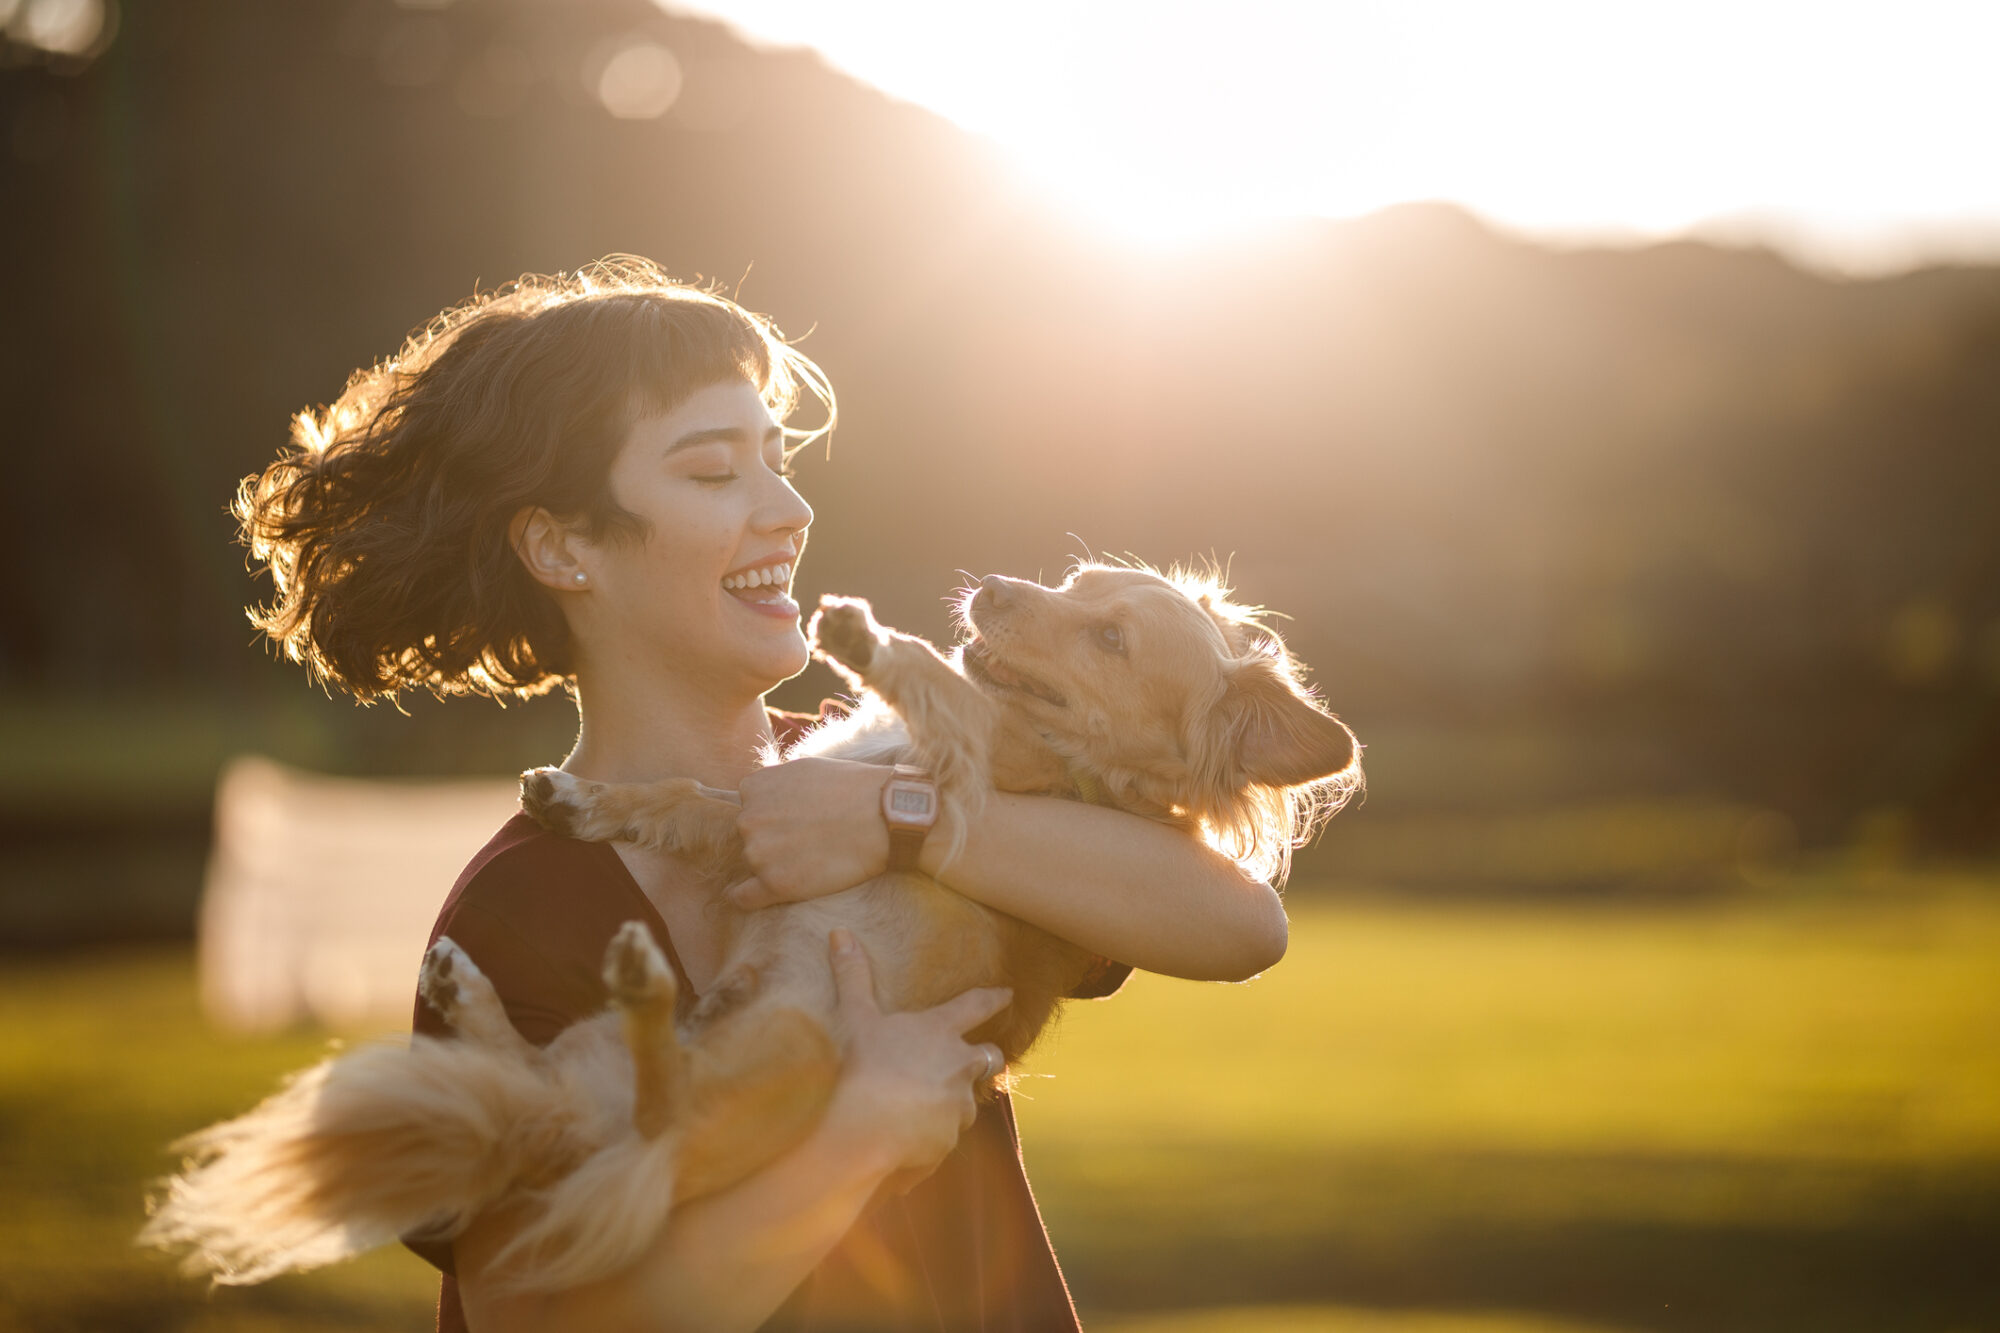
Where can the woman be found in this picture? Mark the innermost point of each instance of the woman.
(566, 483)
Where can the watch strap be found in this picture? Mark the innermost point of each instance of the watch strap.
(909, 809)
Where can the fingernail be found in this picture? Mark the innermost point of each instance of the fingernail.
(843, 940)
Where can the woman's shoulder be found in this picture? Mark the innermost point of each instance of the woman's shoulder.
(511, 873)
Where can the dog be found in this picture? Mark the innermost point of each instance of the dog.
(1149, 692)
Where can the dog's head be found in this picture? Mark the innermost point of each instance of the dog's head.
(1172, 696)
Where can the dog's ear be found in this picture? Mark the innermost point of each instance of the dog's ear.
(1281, 740)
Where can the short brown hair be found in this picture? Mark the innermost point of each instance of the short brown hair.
(385, 524)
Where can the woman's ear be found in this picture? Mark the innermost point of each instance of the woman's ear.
(1281, 739)
(548, 549)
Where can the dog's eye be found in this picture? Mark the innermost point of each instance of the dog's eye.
(1111, 639)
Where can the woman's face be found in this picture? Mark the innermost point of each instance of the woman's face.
(707, 591)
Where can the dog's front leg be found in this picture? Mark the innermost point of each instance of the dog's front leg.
(678, 815)
(951, 724)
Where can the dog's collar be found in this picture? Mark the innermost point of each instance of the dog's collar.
(1088, 788)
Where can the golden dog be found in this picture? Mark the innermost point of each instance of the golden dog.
(1148, 692)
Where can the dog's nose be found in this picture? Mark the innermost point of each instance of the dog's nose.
(998, 589)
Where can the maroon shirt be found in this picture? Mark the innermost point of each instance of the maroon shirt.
(962, 1252)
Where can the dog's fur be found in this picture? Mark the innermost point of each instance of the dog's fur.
(1148, 692)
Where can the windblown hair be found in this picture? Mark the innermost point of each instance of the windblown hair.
(386, 523)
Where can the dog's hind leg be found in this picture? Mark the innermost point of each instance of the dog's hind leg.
(644, 989)
(451, 983)
(679, 815)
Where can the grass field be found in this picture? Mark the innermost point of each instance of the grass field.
(1769, 1114)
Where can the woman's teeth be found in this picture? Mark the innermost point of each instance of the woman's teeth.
(775, 576)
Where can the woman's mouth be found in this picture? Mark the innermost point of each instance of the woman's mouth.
(765, 589)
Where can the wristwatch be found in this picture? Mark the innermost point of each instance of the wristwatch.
(909, 808)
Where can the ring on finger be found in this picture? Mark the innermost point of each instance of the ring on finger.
(996, 1063)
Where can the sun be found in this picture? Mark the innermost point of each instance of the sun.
(1166, 122)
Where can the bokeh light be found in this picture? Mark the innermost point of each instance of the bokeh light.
(78, 28)
(638, 79)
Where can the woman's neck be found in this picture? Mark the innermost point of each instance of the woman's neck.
(640, 730)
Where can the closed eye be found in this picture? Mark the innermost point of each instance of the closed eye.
(785, 471)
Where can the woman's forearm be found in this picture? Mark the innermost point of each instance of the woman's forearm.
(1120, 886)
(722, 1263)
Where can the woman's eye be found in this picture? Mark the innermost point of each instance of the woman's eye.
(715, 479)
(1111, 639)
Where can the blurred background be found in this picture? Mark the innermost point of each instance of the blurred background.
(1609, 394)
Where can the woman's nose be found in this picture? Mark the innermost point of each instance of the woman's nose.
(785, 509)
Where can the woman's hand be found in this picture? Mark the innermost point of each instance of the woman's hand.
(810, 827)
(906, 1091)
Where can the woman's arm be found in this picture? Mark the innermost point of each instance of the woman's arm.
(729, 1260)
(1119, 885)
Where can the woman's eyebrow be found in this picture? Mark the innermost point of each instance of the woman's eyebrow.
(721, 435)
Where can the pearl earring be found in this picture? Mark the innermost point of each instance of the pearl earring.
(581, 578)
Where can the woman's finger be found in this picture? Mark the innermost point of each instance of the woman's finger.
(853, 978)
(968, 1010)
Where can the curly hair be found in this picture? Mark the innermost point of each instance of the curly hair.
(385, 524)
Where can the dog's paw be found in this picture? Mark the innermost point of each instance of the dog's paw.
(635, 971)
(844, 631)
(564, 803)
(444, 976)
(547, 795)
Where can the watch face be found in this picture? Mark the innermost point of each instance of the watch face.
(910, 803)
(913, 801)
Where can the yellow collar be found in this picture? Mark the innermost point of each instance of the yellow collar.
(1088, 788)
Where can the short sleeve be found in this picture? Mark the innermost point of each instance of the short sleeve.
(542, 950)
(1104, 980)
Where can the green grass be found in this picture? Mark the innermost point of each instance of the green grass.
(1773, 1113)
(1781, 1113)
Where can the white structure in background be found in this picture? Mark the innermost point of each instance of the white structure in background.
(321, 891)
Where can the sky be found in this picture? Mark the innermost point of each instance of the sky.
(1857, 137)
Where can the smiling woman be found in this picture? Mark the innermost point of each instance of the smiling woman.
(710, 484)
(582, 482)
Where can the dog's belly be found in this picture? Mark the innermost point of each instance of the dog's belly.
(925, 944)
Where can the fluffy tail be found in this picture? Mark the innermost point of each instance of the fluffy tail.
(350, 1154)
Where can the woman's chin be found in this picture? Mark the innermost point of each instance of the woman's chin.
(785, 659)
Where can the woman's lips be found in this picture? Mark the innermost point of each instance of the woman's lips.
(771, 601)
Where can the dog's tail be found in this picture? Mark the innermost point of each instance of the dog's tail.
(384, 1141)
